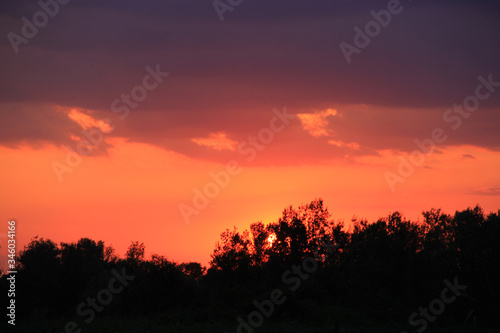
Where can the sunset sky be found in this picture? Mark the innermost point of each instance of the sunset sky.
(266, 101)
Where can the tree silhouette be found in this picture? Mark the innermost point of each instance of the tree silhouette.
(232, 252)
(193, 269)
(383, 271)
(260, 235)
(135, 252)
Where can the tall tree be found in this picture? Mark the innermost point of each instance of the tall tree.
(232, 252)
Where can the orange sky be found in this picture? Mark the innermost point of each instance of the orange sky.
(134, 192)
(158, 97)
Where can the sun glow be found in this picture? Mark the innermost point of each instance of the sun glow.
(271, 239)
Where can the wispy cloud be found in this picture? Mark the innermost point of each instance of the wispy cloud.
(339, 143)
(487, 191)
(217, 141)
(316, 123)
(86, 121)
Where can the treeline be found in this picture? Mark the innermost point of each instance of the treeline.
(382, 271)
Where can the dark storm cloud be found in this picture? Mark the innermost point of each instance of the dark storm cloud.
(39, 125)
(229, 75)
(25, 125)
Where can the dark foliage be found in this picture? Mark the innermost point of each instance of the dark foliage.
(384, 270)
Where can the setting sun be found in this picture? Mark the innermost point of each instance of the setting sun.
(271, 239)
